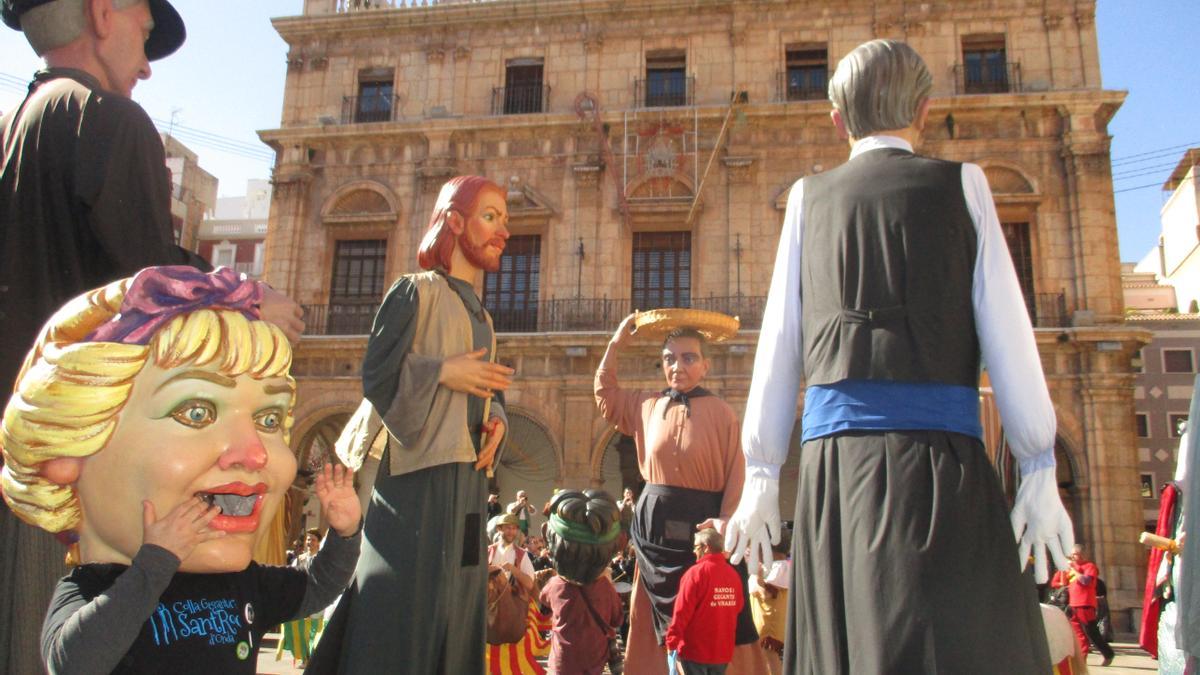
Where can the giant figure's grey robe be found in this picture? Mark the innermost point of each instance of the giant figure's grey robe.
(418, 601)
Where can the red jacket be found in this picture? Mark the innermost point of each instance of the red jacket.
(1082, 591)
(704, 624)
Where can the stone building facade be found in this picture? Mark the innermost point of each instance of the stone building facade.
(193, 191)
(235, 233)
(648, 147)
(1162, 399)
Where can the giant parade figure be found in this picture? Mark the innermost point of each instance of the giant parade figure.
(418, 600)
(689, 454)
(149, 430)
(892, 281)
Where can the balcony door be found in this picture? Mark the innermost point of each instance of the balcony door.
(511, 293)
(357, 286)
(662, 270)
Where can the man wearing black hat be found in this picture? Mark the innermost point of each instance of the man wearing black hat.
(84, 200)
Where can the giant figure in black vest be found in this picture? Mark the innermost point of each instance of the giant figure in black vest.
(892, 281)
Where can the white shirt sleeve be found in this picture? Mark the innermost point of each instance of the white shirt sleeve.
(780, 575)
(1006, 335)
(779, 361)
(526, 565)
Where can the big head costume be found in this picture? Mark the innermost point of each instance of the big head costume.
(139, 398)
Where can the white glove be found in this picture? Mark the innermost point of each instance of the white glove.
(1040, 522)
(755, 523)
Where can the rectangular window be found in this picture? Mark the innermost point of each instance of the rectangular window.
(985, 64)
(224, 255)
(1142, 423)
(1148, 486)
(662, 270)
(357, 287)
(807, 72)
(1016, 235)
(523, 86)
(666, 79)
(511, 294)
(1176, 424)
(375, 95)
(1177, 361)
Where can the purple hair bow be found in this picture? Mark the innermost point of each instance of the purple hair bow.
(159, 294)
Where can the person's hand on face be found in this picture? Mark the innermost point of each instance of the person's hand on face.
(181, 530)
(339, 500)
(470, 374)
(190, 432)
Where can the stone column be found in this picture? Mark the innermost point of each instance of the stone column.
(1114, 505)
(1092, 215)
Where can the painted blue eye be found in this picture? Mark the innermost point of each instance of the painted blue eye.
(269, 421)
(195, 414)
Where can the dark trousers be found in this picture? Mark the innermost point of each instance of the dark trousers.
(693, 668)
(1083, 621)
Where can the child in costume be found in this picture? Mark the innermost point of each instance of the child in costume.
(165, 394)
(582, 536)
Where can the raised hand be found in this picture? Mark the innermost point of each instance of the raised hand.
(181, 530)
(625, 331)
(470, 374)
(339, 500)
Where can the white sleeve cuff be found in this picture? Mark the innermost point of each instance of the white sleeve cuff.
(1039, 462)
(757, 468)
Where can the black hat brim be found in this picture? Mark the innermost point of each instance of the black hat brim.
(168, 34)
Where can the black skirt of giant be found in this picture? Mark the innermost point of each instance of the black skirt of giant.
(903, 561)
(418, 603)
(664, 525)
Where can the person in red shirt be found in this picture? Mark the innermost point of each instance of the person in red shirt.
(1080, 579)
(701, 634)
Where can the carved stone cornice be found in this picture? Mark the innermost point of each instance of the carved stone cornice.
(740, 168)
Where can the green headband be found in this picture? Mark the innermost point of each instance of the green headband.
(581, 534)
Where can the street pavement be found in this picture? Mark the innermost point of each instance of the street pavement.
(1131, 660)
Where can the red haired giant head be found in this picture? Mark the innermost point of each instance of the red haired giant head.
(459, 195)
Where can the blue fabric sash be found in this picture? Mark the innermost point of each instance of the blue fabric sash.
(880, 405)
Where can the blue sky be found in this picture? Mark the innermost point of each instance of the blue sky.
(227, 80)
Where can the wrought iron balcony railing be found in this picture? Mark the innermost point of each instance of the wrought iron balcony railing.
(664, 92)
(555, 315)
(987, 78)
(521, 99)
(801, 85)
(349, 318)
(1048, 310)
(357, 109)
